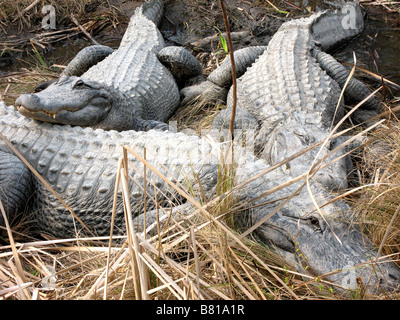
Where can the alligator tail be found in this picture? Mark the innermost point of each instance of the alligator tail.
(143, 25)
(153, 10)
(244, 58)
(16, 185)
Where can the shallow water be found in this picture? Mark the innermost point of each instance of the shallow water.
(378, 47)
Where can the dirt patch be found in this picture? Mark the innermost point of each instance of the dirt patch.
(195, 24)
(185, 21)
(200, 19)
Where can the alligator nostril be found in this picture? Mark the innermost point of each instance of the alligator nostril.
(27, 100)
(314, 223)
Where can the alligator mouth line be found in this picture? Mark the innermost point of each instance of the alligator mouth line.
(23, 109)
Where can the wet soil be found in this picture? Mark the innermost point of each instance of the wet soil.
(196, 20)
(185, 23)
(193, 24)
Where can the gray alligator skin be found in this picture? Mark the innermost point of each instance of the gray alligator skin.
(80, 164)
(289, 98)
(129, 89)
(290, 93)
(293, 73)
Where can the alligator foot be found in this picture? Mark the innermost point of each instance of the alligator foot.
(205, 92)
(16, 185)
(215, 89)
(146, 125)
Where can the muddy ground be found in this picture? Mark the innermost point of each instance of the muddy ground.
(185, 22)
(194, 24)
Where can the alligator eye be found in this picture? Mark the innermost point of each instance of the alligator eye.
(314, 223)
(78, 84)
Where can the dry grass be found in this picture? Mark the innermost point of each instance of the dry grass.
(13, 84)
(388, 5)
(193, 255)
(376, 206)
(21, 24)
(196, 116)
(27, 13)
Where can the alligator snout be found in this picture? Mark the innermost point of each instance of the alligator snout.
(325, 244)
(30, 103)
(27, 100)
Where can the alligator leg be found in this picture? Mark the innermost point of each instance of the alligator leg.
(86, 58)
(146, 125)
(83, 61)
(355, 91)
(15, 185)
(215, 87)
(180, 62)
(244, 120)
(244, 58)
(204, 92)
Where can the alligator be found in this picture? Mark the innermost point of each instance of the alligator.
(288, 94)
(129, 88)
(295, 71)
(80, 164)
(288, 98)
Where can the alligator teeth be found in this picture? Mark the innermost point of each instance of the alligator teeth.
(51, 115)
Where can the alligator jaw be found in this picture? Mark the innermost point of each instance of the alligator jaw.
(84, 117)
(37, 115)
(50, 103)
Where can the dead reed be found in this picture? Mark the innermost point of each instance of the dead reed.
(376, 205)
(191, 254)
(196, 253)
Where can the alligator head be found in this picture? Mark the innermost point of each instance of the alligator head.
(327, 246)
(70, 100)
